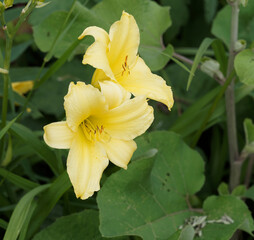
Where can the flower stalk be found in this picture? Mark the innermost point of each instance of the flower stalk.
(235, 168)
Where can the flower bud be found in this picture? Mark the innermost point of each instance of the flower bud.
(244, 2)
(8, 3)
(240, 45)
(211, 67)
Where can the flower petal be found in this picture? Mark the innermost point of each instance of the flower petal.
(129, 120)
(96, 54)
(114, 93)
(85, 164)
(120, 152)
(124, 42)
(141, 81)
(58, 135)
(82, 101)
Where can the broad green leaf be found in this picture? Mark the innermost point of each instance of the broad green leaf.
(101, 15)
(17, 180)
(179, 13)
(239, 191)
(38, 146)
(210, 7)
(151, 195)
(77, 226)
(187, 233)
(21, 212)
(244, 66)
(221, 24)
(223, 189)
(202, 49)
(47, 201)
(249, 135)
(18, 49)
(250, 193)
(217, 207)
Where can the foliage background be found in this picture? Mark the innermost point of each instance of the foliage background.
(174, 174)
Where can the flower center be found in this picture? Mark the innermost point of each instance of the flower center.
(125, 66)
(94, 132)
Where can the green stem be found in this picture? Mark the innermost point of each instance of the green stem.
(7, 61)
(235, 169)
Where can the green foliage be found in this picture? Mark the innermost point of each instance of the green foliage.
(244, 66)
(75, 226)
(221, 24)
(151, 29)
(175, 187)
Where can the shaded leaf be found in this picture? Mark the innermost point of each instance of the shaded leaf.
(77, 226)
(151, 194)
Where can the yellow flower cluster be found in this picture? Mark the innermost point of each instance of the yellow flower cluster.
(102, 119)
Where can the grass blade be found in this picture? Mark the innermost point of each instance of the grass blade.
(202, 49)
(39, 147)
(17, 180)
(47, 201)
(21, 212)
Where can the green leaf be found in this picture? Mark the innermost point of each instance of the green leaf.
(216, 207)
(222, 22)
(223, 189)
(239, 191)
(210, 9)
(47, 201)
(77, 226)
(151, 195)
(179, 13)
(39, 147)
(7, 127)
(187, 233)
(250, 193)
(101, 15)
(249, 135)
(17, 180)
(202, 49)
(3, 224)
(21, 212)
(244, 66)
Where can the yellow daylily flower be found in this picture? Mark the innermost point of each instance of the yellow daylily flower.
(99, 126)
(115, 58)
(22, 87)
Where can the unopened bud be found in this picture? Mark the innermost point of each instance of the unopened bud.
(41, 4)
(244, 2)
(240, 45)
(8, 3)
(211, 68)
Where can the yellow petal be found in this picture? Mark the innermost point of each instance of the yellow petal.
(141, 81)
(22, 87)
(124, 42)
(120, 152)
(129, 120)
(114, 93)
(82, 101)
(58, 135)
(96, 54)
(85, 164)
(99, 76)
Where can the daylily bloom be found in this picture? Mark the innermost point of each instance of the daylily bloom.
(115, 58)
(22, 87)
(99, 126)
